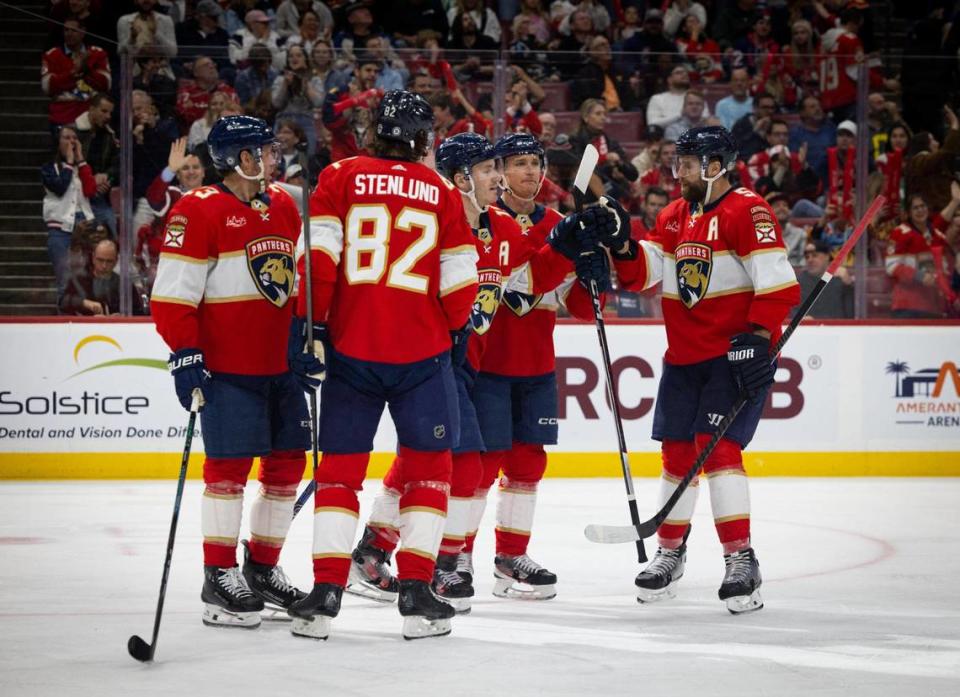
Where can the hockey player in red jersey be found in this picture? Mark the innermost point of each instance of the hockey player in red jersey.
(394, 272)
(516, 390)
(727, 287)
(508, 262)
(221, 301)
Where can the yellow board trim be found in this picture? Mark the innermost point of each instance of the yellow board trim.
(759, 464)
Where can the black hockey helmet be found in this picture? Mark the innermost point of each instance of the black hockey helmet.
(402, 116)
(461, 152)
(520, 144)
(708, 143)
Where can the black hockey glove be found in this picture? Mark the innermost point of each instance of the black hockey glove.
(594, 265)
(189, 374)
(564, 237)
(309, 368)
(749, 358)
(458, 348)
(616, 231)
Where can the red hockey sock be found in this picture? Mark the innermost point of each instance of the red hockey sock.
(467, 470)
(222, 508)
(335, 515)
(423, 507)
(677, 457)
(517, 497)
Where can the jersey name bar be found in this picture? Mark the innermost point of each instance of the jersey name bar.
(393, 185)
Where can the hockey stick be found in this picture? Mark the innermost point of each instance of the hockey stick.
(615, 534)
(138, 648)
(580, 184)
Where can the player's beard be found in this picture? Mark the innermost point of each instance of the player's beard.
(694, 192)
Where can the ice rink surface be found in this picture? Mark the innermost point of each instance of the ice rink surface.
(860, 585)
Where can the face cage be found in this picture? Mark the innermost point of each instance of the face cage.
(704, 164)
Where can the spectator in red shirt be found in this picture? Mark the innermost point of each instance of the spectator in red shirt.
(73, 73)
(193, 97)
(661, 176)
(347, 111)
(910, 262)
(654, 201)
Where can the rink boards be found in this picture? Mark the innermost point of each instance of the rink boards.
(94, 400)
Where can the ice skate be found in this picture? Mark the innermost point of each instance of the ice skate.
(465, 566)
(523, 578)
(370, 575)
(741, 583)
(311, 615)
(424, 614)
(228, 601)
(450, 585)
(659, 580)
(271, 585)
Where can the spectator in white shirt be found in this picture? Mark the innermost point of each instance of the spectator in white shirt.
(665, 108)
(257, 31)
(146, 27)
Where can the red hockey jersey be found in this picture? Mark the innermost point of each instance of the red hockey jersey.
(69, 91)
(838, 72)
(510, 262)
(225, 278)
(394, 264)
(909, 258)
(723, 270)
(520, 342)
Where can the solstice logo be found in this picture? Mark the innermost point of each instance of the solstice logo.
(100, 338)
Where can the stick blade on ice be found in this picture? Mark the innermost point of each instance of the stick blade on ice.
(611, 534)
(139, 649)
(587, 164)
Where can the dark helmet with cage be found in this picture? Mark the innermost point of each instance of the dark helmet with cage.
(461, 152)
(231, 135)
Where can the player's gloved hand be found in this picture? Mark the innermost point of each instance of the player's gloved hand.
(615, 231)
(309, 368)
(593, 266)
(458, 350)
(749, 358)
(189, 374)
(573, 234)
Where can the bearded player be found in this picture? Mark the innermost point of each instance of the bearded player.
(221, 301)
(727, 288)
(508, 262)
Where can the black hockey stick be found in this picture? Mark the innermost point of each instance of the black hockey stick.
(304, 194)
(138, 648)
(615, 534)
(580, 184)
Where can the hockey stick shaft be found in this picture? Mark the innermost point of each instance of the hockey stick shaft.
(581, 182)
(648, 528)
(136, 645)
(308, 289)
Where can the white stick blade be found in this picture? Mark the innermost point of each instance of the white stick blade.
(296, 192)
(587, 165)
(611, 534)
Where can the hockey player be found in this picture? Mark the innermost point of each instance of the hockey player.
(516, 390)
(221, 301)
(727, 287)
(389, 236)
(509, 261)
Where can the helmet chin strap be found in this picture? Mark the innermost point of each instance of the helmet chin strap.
(710, 180)
(513, 193)
(472, 194)
(260, 176)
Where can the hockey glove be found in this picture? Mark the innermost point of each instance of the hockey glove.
(616, 232)
(189, 374)
(594, 265)
(309, 368)
(458, 349)
(749, 358)
(567, 235)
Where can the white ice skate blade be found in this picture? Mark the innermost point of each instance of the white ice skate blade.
(419, 627)
(317, 628)
(274, 613)
(646, 595)
(216, 616)
(739, 604)
(357, 585)
(461, 605)
(505, 587)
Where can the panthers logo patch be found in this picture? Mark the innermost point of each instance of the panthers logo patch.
(487, 300)
(694, 263)
(521, 303)
(270, 260)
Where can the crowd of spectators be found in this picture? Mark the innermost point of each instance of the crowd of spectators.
(627, 76)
